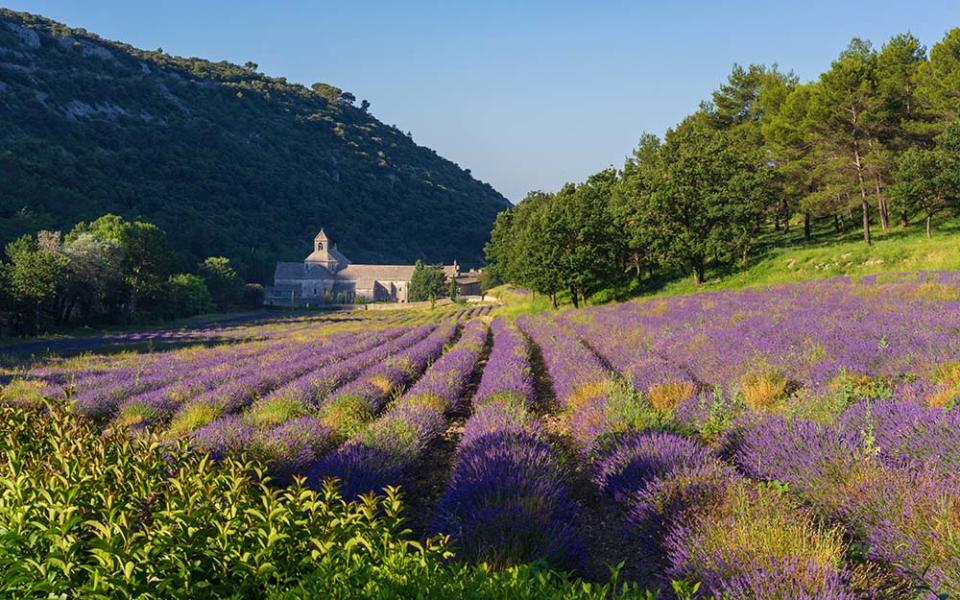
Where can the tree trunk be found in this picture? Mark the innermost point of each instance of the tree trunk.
(836, 223)
(929, 227)
(866, 221)
(882, 207)
(904, 219)
(574, 296)
(863, 193)
(699, 272)
(746, 256)
(553, 300)
(806, 226)
(638, 265)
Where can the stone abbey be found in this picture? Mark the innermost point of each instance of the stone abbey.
(326, 275)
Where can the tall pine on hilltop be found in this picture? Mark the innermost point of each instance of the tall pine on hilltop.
(225, 159)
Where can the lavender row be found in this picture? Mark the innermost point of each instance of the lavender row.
(890, 479)
(385, 450)
(349, 410)
(291, 436)
(157, 403)
(697, 519)
(312, 388)
(506, 503)
(99, 396)
(508, 371)
(237, 393)
(805, 334)
(580, 381)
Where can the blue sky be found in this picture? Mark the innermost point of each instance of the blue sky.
(527, 95)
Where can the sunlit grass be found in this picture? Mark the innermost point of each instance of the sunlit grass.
(894, 253)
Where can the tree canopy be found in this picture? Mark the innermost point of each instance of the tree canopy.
(108, 271)
(428, 282)
(874, 137)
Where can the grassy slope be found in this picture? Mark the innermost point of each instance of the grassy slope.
(897, 251)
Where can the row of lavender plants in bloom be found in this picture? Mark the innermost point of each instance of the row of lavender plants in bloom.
(506, 502)
(196, 395)
(384, 452)
(868, 445)
(297, 424)
(697, 518)
(795, 340)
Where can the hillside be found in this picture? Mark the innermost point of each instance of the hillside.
(227, 160)
(784, 261)
(897, 252)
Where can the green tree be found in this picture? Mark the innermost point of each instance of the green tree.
(147, 257)
(583, 233)
(709, 196)
(452, 288)
(223, 282)
(188, 295)
(938, 85)
(843, 109)
(795, 155)
(928, 180)
(740, 107)
(487, 280)
(253, 295)
(36, 275)
(524, 246)
(630, 203)
(428, 282)
(94, 280)
(897, 65)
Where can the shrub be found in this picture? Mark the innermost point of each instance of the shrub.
(507, 504)
(757, 545)
(23, 391)
(638, 458)
(683, 494)
(666, 396)
(276, 410)
(763, 390)
(90, 515)
(193, 416)
(293, 447)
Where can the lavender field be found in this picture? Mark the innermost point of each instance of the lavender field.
(800, 441)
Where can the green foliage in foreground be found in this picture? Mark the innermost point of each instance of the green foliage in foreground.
(90, 515)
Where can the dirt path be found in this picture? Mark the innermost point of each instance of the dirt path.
(433, 471)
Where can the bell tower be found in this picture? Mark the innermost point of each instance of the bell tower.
(325, 254)
(321, 246)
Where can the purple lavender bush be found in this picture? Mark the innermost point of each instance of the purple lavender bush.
(637, 458)
(507, 504)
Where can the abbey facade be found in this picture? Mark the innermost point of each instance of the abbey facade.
(326, 276)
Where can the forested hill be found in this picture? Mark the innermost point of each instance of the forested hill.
(227, 160)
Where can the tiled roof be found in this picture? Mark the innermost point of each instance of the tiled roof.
(362, 275)
(299, 271)
(377, 272)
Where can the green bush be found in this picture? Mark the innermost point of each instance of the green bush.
(85, 514)
(188, 295)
